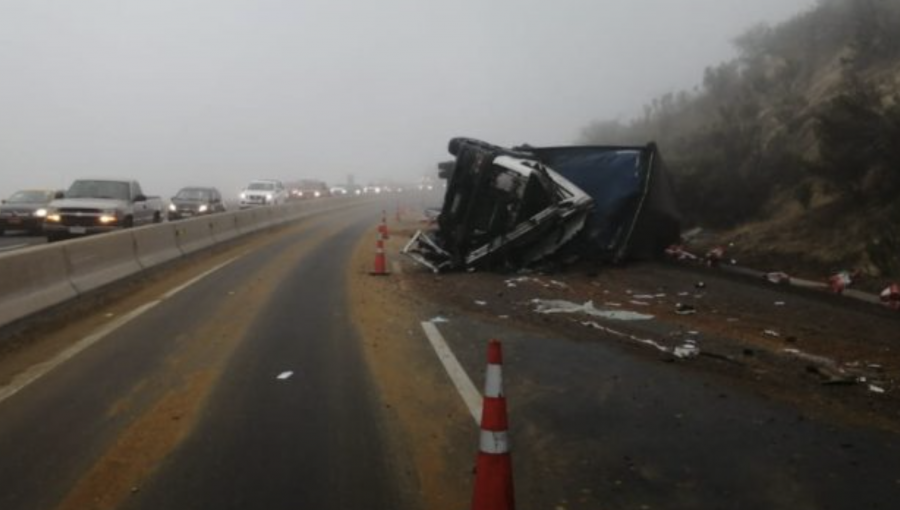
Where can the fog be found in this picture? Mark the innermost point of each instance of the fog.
(217, 92)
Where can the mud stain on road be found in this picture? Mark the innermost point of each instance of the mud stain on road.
(138, 449)
(163, 408)
(427, 421)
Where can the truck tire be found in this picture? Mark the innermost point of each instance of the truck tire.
(157, 217)
(128, 222)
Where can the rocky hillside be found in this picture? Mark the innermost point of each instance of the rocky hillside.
(792, 150)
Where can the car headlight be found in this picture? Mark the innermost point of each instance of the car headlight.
(243, 196)
(172, 207)
(269, 197)
(40, 213)
(203, 208)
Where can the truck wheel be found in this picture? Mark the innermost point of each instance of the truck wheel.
(128, 222)
(157, 218)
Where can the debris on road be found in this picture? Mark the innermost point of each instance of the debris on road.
(285, 375)
(560, 306)
(684, 309)
(841, 280)
(778, 277)
(890, 296)
(439, 320)
(511, 208)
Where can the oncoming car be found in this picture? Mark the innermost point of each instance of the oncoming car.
(195, 201)
(263, 192)
(25, 210)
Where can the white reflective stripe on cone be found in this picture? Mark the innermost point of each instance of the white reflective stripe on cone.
(493, 381)
(494, 442)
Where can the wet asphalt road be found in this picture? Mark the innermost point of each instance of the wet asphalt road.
(106, 429)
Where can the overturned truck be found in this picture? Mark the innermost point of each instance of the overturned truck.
(513, 208)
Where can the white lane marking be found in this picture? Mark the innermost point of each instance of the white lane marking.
(285, 375)
(35, 372)
(13, 247)
(197, 278)
(470, 395)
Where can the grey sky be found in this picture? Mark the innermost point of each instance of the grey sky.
(178, 92)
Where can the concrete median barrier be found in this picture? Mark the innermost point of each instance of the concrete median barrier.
(31, 280)
(223, 226)
(155, 244)
(99, 260)
(247, 221)
(193, 234)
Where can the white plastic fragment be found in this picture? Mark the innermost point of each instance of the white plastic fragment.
(285, 375)
(876, 389)
(560, 306)
(481, 303)
(688, 350)
(771, 332)
(439, 320)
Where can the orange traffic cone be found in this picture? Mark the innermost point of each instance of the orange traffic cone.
(383, 228)
(493, 471)
(380, 264)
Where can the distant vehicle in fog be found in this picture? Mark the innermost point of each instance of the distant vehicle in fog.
(195, 201)
(92, 206)
(263, 192)
(309, 188)
(25, 210)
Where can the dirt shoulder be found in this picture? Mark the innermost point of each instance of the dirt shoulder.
(830, 356)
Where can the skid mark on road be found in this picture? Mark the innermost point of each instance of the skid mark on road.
(464, 386)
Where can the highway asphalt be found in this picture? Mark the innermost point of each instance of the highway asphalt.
(245, 389)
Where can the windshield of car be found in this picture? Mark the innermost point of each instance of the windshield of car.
(267, 186)
(99, 189)
(193, 194)
(30, 197)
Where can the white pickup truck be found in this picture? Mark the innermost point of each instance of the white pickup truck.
(92, 206)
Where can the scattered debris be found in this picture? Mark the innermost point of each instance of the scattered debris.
(778, 277)
(714, 256)
(876, 389)
(285, 375)
(684, 309)
(687, 350)
(560, 306)
(890, 296)
(700, 285)
(480, 302)
(439, 320)
(677, 252)
(841, 280)
(510, 208)
(771, 332)
(779, 303)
